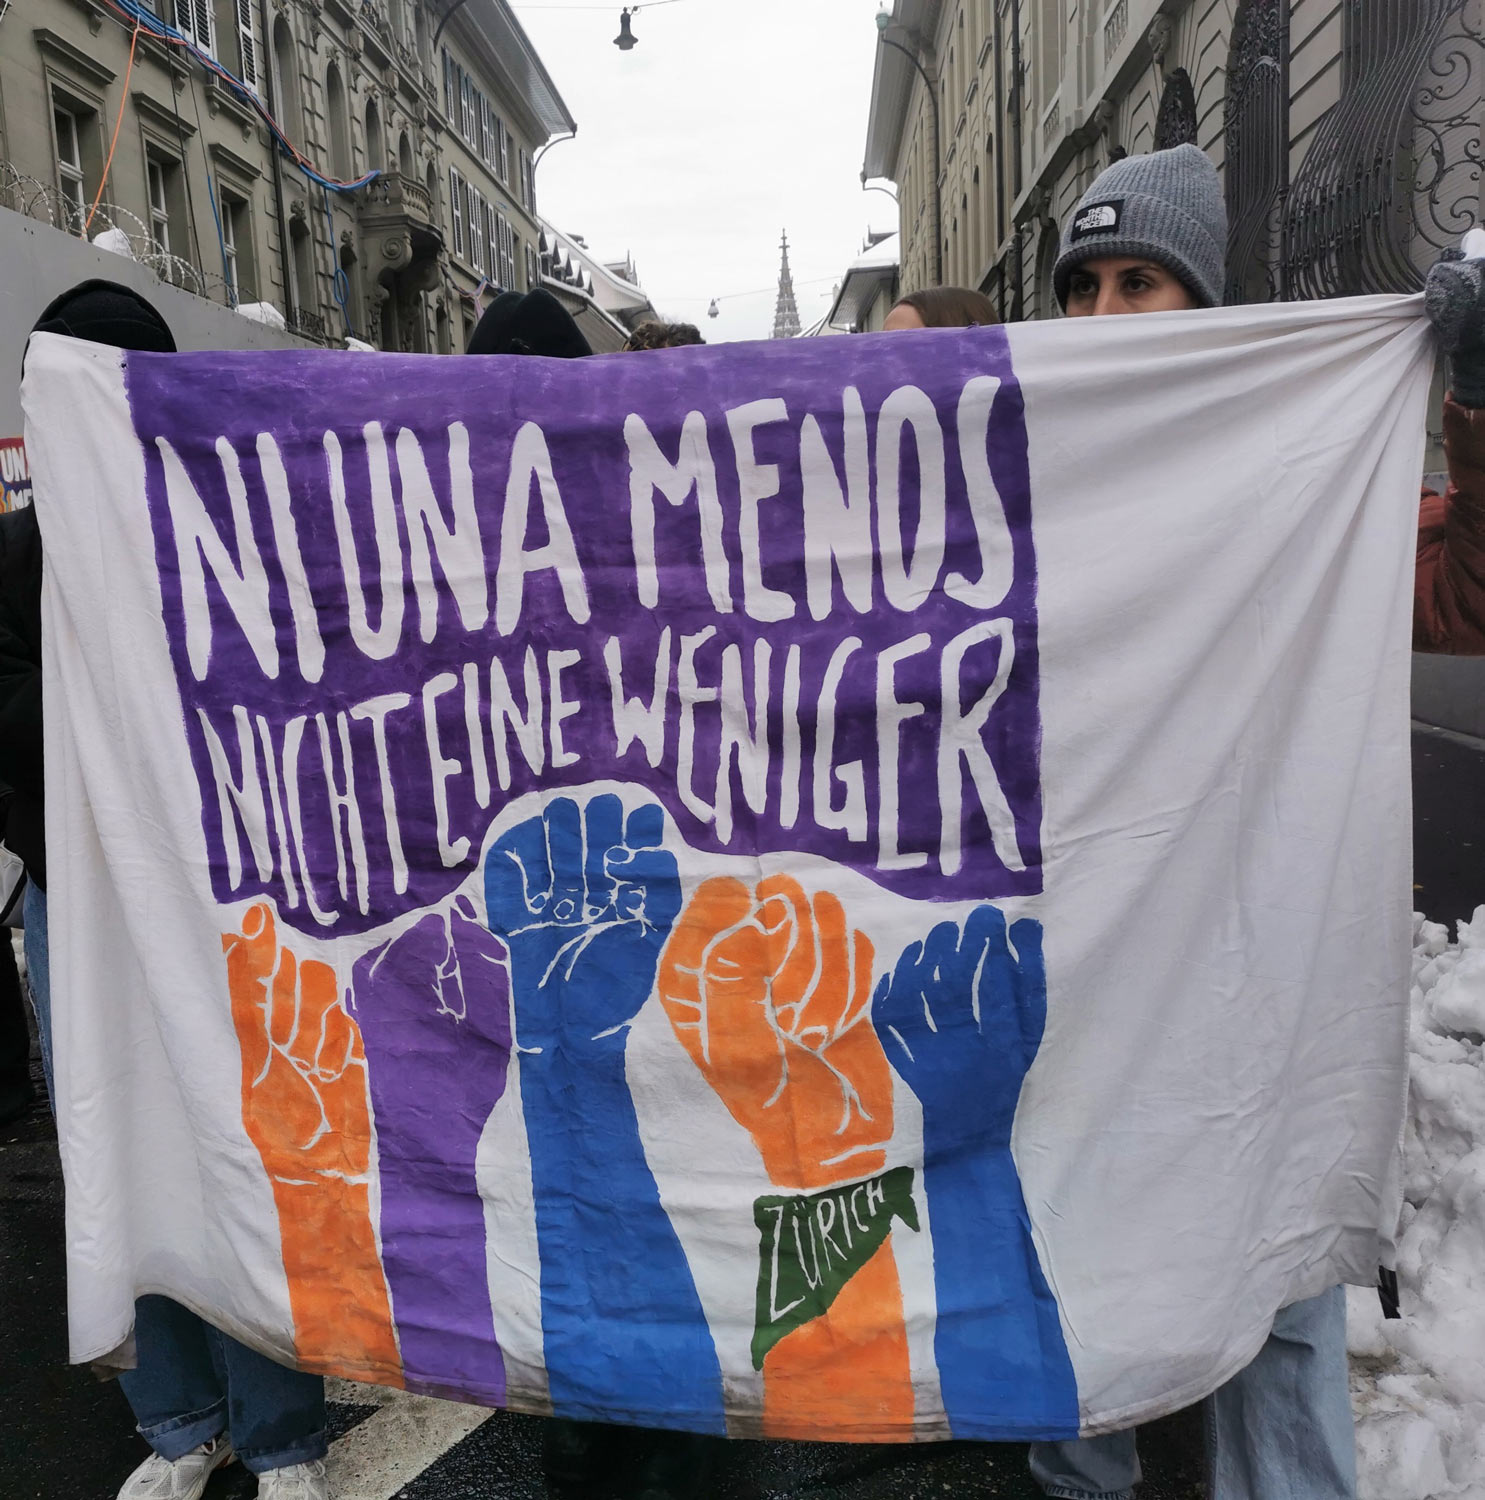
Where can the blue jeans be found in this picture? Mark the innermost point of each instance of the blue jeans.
(39, 976)
(1281, 1429)
(194, 1383)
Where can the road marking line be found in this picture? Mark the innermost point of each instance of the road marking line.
(394, 1445)
(353, 1393)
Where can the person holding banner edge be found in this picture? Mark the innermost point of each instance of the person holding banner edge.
(200, 1398)
(1150, 236)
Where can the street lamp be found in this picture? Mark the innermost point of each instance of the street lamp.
(884, 22)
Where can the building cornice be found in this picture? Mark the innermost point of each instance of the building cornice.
(914, 22)
(59, 49)
(159, 115)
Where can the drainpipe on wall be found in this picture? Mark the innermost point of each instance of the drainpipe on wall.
(270, 67)
(1018, 108)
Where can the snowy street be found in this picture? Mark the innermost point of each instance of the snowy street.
(1418, 1383)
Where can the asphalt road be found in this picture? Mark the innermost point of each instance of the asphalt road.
(66, 1436)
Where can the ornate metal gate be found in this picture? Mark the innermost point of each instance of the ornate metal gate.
(1257, 150)
(1176, 123)
(1393, 174)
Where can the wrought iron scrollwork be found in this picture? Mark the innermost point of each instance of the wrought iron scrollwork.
(1176, 123)
(1393, 175)
(1257, 149)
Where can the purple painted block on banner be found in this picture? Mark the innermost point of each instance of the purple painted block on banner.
(400, 591)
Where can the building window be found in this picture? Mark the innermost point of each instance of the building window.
(193, 18)
(286, 81)
(237, 247)
(523, 172)
(302, 270)
(476, 120)
(475, 210)
(238, 37)
(340, 125)
(69, 127)
(456, 209)
(229, 251)
(467, 108)
(159, 174)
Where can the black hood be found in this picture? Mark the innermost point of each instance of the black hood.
(103, 312)
(536, 323)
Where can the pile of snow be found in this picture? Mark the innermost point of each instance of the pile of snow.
(115, 240)
(262, 312)
(1418, 1383)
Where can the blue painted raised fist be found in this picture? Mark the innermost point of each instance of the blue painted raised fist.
(961, 1017)
(585, 899)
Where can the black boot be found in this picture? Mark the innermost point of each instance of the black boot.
(673, 1465)
(577, 1458)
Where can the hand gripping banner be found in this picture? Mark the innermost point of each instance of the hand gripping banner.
(851, 888)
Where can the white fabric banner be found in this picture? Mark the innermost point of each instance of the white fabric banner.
(854, 888)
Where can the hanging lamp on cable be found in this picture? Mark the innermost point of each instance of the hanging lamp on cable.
(714, 311)
(626, 39)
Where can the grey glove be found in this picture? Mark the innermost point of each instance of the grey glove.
(1455, 299)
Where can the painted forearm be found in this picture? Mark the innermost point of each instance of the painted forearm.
(998, 1344)
(337, 1293)
(624, 1327)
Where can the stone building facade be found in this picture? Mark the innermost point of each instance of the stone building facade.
(1347, 131)
(448, 103)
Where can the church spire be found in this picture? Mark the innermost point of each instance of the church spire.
(786, 311)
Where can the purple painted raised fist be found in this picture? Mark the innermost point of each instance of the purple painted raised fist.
(434, 1010)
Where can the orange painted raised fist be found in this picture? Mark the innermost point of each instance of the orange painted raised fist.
(306, 1107)
(304, 1090)
(769, 990)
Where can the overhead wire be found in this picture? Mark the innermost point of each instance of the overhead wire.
(211, 198)
(146, 21)
(114, 139)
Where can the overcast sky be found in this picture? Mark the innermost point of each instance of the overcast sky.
(729, 122)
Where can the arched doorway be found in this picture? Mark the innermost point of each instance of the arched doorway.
(405, 163)
(1256, 131)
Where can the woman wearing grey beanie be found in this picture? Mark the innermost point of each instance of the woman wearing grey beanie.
(1150, 235)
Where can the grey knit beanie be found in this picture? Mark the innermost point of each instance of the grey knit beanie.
(1167, 206)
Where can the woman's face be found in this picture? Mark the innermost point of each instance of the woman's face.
(902, 316)
(1120, 284)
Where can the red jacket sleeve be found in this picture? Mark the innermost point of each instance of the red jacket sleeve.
(1449, 590)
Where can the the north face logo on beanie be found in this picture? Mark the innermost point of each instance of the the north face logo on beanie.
(1098, 218)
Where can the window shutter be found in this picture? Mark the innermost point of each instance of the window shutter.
(247, 43)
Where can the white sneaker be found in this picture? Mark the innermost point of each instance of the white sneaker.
(185, 1479)
(297, 1482)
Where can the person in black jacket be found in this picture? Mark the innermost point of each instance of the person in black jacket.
(102, 312)
(200, 1397)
